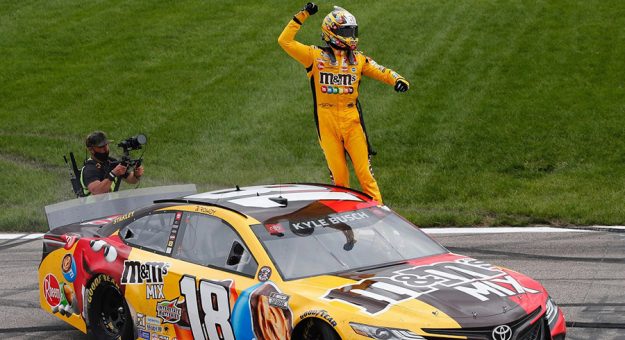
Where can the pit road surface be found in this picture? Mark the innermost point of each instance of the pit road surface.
(583, 271)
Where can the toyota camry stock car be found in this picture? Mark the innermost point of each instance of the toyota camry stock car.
(297, 261)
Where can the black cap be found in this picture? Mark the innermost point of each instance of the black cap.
(96, 138)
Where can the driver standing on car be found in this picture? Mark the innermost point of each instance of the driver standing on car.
(101, 173)
(335, 71)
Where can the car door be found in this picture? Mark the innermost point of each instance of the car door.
(212, 267)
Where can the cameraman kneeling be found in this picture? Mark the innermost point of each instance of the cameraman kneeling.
(101, 173)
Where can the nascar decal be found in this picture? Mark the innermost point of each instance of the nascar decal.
(463, 277)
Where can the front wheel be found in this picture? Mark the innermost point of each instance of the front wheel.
(109, 315)
(316, 330)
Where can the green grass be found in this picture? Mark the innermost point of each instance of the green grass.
(515, 116)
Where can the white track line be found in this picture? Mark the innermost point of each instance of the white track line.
(501, 230)
(20, 236)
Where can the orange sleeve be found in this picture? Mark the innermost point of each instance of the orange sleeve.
(376, 71)
(297, 50)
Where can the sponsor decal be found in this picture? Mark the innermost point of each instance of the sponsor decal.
(96, 282)
(319, 313)
(141, 322)
(101, 221)
(326, 105)
(136, 272)
(275, 229)
(67, 302)
(154, 291)
(376, 65)
(152, 320)
(68, 267)
(169, 311)
(464, 276)
(52, 290)
(341, 79)
(178, 218)
(279, 300)
(264, 274)
(144, 335)
(324, 89)
(153, 328)
(353, 69)
(123, 217)
(159, 337)
(70, 239)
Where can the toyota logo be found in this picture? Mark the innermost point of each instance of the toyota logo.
(503, 332)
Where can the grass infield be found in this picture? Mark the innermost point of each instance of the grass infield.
(515, 116)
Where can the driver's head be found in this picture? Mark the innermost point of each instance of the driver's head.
(340, 30)
(98, 145)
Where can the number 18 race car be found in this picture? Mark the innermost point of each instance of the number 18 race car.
(280, 262)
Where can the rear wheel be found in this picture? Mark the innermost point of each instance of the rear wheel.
(109, 315)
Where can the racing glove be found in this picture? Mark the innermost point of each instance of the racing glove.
(401, 85)
(311, 8)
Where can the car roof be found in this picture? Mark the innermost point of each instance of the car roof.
(268, 202)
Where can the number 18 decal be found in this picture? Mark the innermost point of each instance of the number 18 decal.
(215, 304)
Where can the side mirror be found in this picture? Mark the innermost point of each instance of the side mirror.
(236, 252)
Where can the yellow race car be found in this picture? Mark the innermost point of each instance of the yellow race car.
(296, 261)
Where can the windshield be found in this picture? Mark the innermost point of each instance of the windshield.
(330, 243)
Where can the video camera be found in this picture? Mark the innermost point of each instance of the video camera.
(130, 144)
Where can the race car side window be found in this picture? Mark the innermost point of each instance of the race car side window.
(150, 232)
(209, 241)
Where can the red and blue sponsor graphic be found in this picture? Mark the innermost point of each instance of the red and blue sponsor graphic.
(52, 290)
(68, 267)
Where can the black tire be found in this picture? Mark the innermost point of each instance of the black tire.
(109, 315)
(314, 329)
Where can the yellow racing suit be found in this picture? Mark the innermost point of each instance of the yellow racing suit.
(334, 79)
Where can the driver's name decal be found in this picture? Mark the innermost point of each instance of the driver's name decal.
(330, 220)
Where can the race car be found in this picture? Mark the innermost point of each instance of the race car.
(289, 261)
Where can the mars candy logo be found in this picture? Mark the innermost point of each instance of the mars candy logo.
(52, 290)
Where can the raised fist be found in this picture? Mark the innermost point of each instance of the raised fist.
(311, 8)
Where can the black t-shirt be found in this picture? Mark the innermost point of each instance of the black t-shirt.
(97, 171)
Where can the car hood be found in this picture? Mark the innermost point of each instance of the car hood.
(472, 292)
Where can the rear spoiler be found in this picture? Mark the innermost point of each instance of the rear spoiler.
(114, 203)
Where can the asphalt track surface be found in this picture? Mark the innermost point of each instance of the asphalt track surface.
(583, 271)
